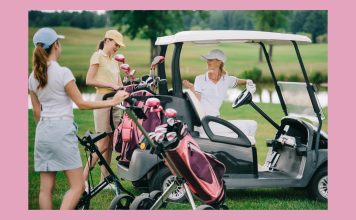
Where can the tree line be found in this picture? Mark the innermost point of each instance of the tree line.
(307, 21)
(154, 23)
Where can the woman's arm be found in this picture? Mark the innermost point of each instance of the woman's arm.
(36, 106)
(91, 81)
(74, 93)
(190, 86)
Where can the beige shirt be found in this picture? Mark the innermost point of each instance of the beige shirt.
(108, 70)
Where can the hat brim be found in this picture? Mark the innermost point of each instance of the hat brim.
(60, 36)
(207, 57)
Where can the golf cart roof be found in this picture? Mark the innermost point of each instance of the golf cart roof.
(220, 36)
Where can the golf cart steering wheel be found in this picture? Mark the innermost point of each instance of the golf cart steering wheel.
(244, 98)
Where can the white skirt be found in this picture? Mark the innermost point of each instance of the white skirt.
(56, 146)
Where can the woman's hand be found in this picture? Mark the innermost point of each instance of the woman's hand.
(119, 97)
(116, 87)
(187, 84)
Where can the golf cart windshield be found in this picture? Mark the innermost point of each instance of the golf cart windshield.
(298, 102)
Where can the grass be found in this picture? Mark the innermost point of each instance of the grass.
(247, 199)
(79, 45)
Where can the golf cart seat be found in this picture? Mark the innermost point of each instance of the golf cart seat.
(248, 127)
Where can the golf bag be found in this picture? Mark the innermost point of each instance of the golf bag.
(126, 135)
(202, 171)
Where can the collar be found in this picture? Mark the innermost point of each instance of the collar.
(103, 53)
(207, 77)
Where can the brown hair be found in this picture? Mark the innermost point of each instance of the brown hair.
(39, 64)
(102, 42)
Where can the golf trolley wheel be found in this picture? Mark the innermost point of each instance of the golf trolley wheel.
(142, 202)
(318, 186)
(162, 179)
(121, 202)
(155, 195)
(83, 204)
(204, 207)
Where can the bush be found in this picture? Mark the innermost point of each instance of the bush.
(318, 77)
(281, 77)
(294, 78)
(255, 74)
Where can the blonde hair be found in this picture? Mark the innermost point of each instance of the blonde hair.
(221, 67)
(39, 64)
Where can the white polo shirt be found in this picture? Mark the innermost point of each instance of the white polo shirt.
(53, 98)
(212, 95)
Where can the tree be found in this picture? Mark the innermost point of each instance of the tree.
(313, 22)
(150, 24)
(270, 21)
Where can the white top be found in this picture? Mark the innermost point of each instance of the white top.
(53, 98)
(212, 95)
(241, 36)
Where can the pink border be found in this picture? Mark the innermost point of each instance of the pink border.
(14, 111)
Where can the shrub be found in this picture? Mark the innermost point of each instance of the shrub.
(281, 77)
(318, 77)
(294, 78)
(255, 74)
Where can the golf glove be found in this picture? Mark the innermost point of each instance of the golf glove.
(250, 86)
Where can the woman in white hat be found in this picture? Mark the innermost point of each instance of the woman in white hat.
(52, 89)
(210, 88)
(104, 75)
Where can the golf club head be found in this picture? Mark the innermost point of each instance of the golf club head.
(161, 130)
(171, 121)
(171, 135)
(120, 58)
(159, 137)
(125, 67)
(157, 60)
(153, 102)
(170, 113)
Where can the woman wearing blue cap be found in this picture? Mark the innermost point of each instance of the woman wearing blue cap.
(52, 89)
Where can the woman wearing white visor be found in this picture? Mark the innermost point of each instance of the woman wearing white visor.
(211, 88)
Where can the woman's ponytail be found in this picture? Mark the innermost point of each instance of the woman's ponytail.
(39, 64)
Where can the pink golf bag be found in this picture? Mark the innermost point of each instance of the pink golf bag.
(126, 135)
(202, 171)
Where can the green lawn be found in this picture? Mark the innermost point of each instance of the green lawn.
(79, 45)
(252, 199)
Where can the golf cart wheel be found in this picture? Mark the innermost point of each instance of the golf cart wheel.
(162, 179)
(121, 202)
(204, 207)
(142, 202)
(318, 186)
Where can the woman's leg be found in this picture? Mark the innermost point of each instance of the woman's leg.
(107, 156)
(46, 189)
(102, 147)
(76, 188)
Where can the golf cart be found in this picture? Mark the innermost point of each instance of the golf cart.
(297, 154)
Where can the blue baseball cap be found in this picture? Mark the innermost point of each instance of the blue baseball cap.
(46, 36)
